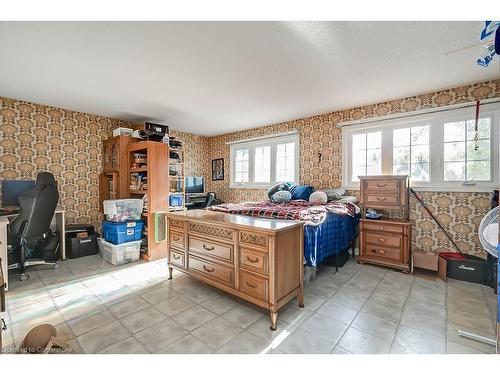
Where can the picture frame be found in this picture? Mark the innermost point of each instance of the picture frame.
(218, 169)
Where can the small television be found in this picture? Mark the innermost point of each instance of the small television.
(12, 189)
(194, 185)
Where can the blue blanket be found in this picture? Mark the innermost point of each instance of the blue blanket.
(329, 238)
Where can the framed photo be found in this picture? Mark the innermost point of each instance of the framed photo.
(217, 169)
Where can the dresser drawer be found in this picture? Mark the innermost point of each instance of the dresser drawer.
(177, 224)
(382, 199)
(254, 286)
(257, 240)
(176, 239)
(212, 230)
(382, 185)
(383, 253)
(253, 260)
(382, 227)
(383, 239)
(212, 270)
(211, 248)
(177, 258)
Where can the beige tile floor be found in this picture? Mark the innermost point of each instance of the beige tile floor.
(100, 308)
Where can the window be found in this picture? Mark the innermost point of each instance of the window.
(438, 151)
(462, 161)
(366, 152)
(241, 165)
(264, 161)
(410, 152)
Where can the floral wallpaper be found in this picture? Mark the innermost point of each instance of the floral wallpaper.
(40, 138)
(459, 212)
(67, 143)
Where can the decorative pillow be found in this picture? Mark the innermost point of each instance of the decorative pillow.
(334, 194)
(301, 192)
(278, 187)
(348, 198)
(282, 196)
(318, 197)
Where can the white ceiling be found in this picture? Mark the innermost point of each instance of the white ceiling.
(216, 77)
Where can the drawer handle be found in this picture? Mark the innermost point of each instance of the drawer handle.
(253, 286)
(381, 199)
(381, 252)
(208, 248)
(253, 260)
(381, 239)
(176, 238)
(381, 185)
(207, 269)
(175, 256)
(381, 228)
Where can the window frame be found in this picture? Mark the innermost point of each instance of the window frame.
(251, 145)
(436, 123)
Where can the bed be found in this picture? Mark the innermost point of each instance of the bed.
(329, 229)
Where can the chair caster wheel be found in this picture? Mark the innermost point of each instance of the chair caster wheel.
(24, 277)
(55, 266)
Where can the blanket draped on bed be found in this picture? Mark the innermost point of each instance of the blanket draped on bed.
(295, 210)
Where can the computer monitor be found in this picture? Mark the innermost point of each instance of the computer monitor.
(12, 189)
(195, 185)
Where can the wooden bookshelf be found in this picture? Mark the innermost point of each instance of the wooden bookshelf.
(113, 181)
(156, 192)
(176, 177)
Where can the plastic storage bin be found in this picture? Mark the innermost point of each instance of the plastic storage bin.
(120, 210)
(118, 233)
(120, 254)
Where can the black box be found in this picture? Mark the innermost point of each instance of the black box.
(81, 241)
(472, 269)
(342, 259)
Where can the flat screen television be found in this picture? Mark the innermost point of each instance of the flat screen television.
(12, 189)
(194, 185)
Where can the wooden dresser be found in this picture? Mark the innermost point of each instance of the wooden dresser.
(385, 241)
(259, 260)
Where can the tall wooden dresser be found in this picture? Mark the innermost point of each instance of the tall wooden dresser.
(385, 241)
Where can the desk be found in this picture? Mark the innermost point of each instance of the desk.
(58, 224)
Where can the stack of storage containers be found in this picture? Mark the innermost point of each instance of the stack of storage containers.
(121, 231)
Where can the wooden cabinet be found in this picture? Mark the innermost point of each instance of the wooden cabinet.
(385, 241)
(153, 188)
(113, 181)
(258, 260)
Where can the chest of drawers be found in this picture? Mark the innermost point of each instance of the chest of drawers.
(258, 260)
(386, 242)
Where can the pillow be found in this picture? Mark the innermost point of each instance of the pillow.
(278, 187)
(318, 197)
(301, 192)
(334, 194)
(348, 198)
(282, 196)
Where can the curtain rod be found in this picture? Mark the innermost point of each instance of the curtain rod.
(415, 113)
(274, 135)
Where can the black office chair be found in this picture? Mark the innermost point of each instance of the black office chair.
(29, 232)
(209, 200)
